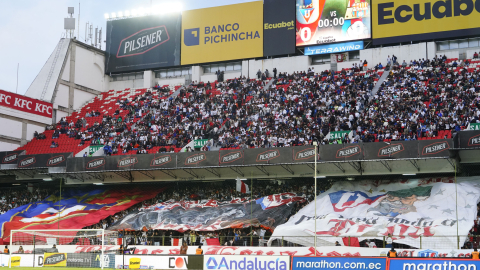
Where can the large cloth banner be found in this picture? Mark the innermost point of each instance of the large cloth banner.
(212, 215)
(75, 209)
(416, 212)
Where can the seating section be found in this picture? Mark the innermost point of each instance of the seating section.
(423, 100)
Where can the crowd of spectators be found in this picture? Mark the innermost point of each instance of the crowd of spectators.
(220, 191)
(418, 99)
(14, 197)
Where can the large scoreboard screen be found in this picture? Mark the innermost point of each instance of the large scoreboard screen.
(329, 21)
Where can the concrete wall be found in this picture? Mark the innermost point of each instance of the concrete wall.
(5, 146)
(121, 85)
(404, 52)
(89, 69)
(170, 81)
(81, 98)
(14, 128)
(62, 96)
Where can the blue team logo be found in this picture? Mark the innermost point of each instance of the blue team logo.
(191, 37)
(211, 263)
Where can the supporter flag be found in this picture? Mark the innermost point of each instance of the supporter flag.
(75, 209)
(242, 186)
(417, 212)
(212, 215)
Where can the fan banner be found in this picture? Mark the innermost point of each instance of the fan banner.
(75, 209)
(212, 215)
(416, 212)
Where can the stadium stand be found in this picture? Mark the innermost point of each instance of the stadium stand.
(418, 101)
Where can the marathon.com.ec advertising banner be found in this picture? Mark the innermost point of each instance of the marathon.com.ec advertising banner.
(222, 33)
(278, 27)
(303, 263)
(143, 43)
(412, 20)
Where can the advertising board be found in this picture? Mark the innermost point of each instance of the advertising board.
(334, 48)
(278, 27)
(25, 104)
(330, 21)
(414, 20)
(142, 43)
(303, 263)
(222, 33)
(213, 262)
(434, 264)
(187, 262)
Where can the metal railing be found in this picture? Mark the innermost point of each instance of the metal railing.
(407, 242)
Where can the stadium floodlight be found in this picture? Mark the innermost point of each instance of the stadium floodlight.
(321, 176)
(134, 12)
(98, 184)
(113, 15)
(106, 16)
(120, 14)
(141, 11)
(127, 13)
(47, 179)
(409, 174)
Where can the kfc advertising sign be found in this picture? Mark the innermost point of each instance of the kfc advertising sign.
(25, 104)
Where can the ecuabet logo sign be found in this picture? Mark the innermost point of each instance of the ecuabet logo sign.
(407, 20)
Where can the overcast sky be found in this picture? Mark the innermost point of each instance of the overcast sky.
(30, 30)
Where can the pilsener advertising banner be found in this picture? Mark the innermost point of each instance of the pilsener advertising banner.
(278, 27)
(55, 259)
(222, 33)
(329, 21)
(143, 43)
(413, 20)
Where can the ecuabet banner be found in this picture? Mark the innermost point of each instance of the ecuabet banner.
(412, 20)
(417, 212)
(222, 33)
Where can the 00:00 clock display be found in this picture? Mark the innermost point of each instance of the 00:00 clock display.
(334, 22)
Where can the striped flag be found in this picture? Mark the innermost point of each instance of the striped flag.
(242, 186)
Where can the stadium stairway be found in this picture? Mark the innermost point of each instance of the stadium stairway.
(177, 92)
(379, 82)
(269, 84)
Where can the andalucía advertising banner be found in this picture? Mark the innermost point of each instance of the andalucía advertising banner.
(329, 21)
(304, 263)
(222, 33)
(334, 48)
(143, 43)
(246, 262)
(433, 264)
(415, 211)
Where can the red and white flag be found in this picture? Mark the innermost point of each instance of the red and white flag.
(242, 186)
